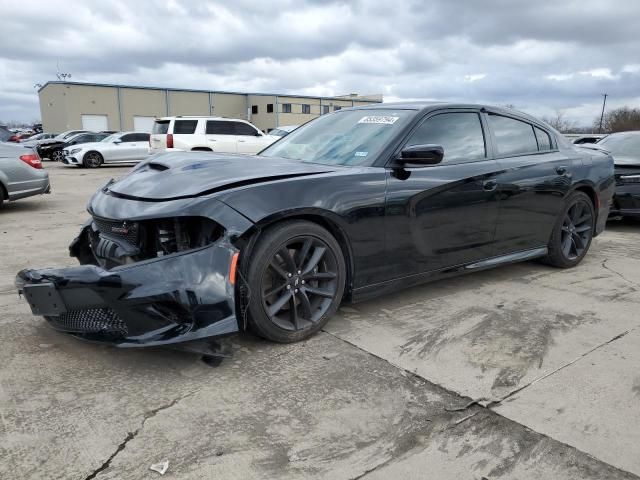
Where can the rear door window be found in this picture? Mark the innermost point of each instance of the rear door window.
(141, 137)
(161, 127)
(129, 137)
(185, 127)
(513, 137)
(244, 129)
(220, 127)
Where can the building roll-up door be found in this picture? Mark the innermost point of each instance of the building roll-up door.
(95, 123)
(143, 124)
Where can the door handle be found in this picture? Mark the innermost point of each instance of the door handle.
(241, 141)
(489, 185)
(561, 170)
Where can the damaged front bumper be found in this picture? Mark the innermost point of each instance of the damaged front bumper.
(184, 297)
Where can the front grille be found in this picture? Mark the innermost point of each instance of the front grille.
(128, 231)
(90, 320)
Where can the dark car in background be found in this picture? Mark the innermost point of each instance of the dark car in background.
(354, 204)
(45, 146)
(624, 147)
(54, 151)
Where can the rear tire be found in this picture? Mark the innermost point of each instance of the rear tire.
(92, 160)
(3, 194)
(572, 233)
(296, 277)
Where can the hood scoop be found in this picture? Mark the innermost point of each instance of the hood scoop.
(181, 175)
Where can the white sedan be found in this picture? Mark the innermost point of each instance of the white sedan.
(124, 147)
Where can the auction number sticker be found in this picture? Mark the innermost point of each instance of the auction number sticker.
(379, 119)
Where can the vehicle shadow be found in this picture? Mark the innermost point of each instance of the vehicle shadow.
(23, 205)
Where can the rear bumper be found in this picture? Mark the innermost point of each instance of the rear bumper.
(178, 298)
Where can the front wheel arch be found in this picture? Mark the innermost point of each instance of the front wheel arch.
(249, 239)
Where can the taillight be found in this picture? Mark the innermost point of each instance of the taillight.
(169, 140)
(32, 159)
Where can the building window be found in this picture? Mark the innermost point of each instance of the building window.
(269, 107)
(325, 109)
(286, 108)
(336, 108)
(306, 108)
(254, 109)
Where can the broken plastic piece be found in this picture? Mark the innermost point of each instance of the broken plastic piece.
(161, 467)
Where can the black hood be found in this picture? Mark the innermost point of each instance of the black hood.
(176, 175)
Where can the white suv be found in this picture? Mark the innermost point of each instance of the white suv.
(216, 134)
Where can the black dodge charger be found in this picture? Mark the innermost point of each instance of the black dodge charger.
(360, 202)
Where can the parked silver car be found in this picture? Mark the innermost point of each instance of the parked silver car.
(21, 173)
(125, 147)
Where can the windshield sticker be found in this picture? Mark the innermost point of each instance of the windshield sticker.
(383, 120)
(361, 154)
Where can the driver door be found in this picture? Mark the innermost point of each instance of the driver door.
(443, 215)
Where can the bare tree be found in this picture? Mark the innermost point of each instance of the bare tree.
(560, 122)
(619, 120)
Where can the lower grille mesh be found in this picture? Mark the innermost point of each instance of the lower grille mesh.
(91, 320)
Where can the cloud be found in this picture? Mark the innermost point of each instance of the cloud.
(539, 56)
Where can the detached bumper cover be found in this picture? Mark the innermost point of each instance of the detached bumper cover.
(178, 298)
(626, 201)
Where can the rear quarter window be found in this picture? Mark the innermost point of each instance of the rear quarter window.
(161, 126)
(513, 137)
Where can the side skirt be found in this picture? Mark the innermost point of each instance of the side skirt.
(372, 291)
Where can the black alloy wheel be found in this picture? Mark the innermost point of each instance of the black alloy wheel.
(296, 278)
(92, 160)
(577, 229)
(57, 155)
(573, 232)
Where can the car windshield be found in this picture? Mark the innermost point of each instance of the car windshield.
(347, 137)
(4, 134)
(110, 138)
(623, 145)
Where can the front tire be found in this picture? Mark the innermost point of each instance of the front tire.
(573, 232)
(57, 156)
(296, 277)
(92, 160)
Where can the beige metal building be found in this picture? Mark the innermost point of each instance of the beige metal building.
(92, 106)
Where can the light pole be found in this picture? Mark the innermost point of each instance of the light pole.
(604, 102)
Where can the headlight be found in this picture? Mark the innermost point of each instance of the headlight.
(629, 178)
(75, 150)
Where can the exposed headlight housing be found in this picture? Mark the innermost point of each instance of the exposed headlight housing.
(75, 150)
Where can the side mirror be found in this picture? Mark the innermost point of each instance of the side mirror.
(421, 155)
(258, 134)
(117, 142)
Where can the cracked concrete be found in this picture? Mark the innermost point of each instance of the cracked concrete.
(396, 388)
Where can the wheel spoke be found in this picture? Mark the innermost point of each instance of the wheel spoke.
(317, 255)
(584, 228)
(319, 291)
(276, 306)
(578, 241)
(305, 305)
(279, 270)
(273, 291)
(293, 313)
(302, 254)
(320, 276)
(566, 245)
(285, 254)
(583, 219)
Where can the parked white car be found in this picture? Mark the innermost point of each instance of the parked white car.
(124, 147)
(283, 130)
(215, 134)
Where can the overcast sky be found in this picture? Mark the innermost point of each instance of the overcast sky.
(540, 56)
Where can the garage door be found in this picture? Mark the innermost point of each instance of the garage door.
(143, 124)
(95, 123)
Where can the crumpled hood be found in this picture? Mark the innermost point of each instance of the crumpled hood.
(176, 175)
